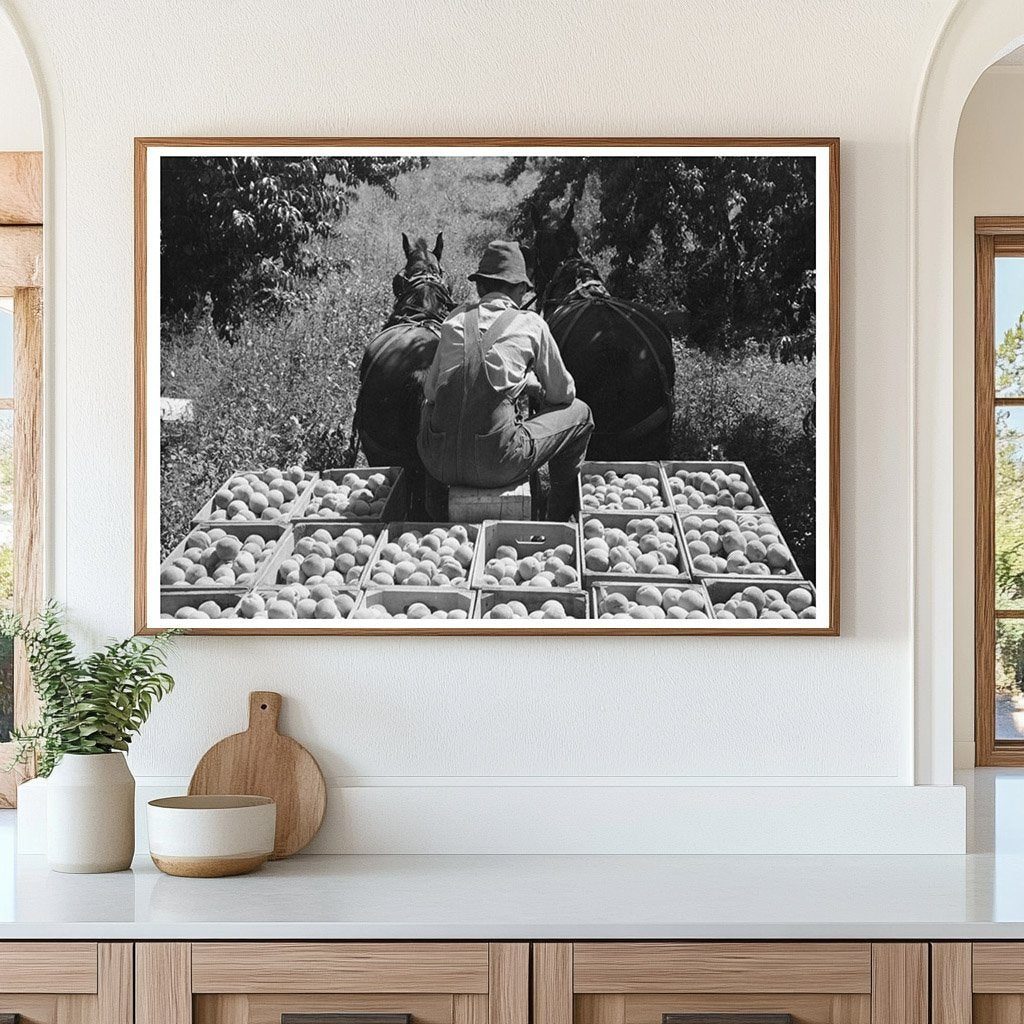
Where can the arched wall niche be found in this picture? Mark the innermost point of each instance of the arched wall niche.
(976, 34)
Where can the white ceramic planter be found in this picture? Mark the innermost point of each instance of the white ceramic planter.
(90, 814)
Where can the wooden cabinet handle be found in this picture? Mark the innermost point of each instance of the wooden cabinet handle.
(726, 1018)
(336, 1018)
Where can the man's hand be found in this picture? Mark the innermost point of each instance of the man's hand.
(534, 390)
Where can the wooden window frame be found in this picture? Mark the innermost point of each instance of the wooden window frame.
(21, 278)
(993, 237)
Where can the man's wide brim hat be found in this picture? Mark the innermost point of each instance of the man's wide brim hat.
(502, 261)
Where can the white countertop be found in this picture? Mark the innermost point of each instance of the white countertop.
(516, 897)
(977, 896)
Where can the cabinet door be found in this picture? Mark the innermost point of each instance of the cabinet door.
(730, 983)
(332, 983)
(65, 983)
(980, 982)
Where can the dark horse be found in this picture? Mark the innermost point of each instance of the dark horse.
(387, 417)
(619, 353)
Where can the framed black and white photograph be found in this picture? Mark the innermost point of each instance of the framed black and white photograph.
(487, 386)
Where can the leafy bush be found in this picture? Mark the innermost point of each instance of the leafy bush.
(238, 229)
(90, 705)
(282, 393)
(752, 408)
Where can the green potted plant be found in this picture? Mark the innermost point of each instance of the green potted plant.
(90, 708)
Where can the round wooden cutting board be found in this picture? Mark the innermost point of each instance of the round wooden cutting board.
(262, 762)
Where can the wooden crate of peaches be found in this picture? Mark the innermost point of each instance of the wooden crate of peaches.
(525, 553)
(526, 604)
(375, 492)
(424, 555)
(730, 543)
(650, 601)
(415, 603)
(316, 572)
(706, 486)
(228, 556)
(621, 487)
(770, 599)
(271, 495)
(638, 548)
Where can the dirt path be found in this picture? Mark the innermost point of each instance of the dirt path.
(1009, 717)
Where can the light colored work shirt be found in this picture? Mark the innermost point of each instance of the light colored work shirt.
(525, 345)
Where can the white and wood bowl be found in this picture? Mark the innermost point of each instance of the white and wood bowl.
(211, 836)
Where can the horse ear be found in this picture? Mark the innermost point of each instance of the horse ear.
(405, 244)
(439, 245)
(569, 212)
(535, 217)
(397, 283)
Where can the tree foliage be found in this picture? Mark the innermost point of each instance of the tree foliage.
(238, 230)
(90, 705)
(1009, 472)
(6, 688)
(730, 239)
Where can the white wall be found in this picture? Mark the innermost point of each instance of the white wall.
(21, 127)
(429, 714)
(988, 181)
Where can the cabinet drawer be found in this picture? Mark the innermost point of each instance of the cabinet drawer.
(635, 967)
(65, 967)
(340, 967)
(332, 983)
(66, 982)
(730, 983)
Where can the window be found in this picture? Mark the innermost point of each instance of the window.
(999, 490)
(21, 373)
(6, 510)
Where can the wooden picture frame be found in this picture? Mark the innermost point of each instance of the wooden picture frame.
(826, 389)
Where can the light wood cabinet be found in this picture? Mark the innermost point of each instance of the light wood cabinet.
(499, 983)
(978, 983)
(306, 982)
(751, 982)
(66, 982)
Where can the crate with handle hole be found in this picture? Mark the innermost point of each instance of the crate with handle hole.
(527, 554)
(431, 604)
(532, 604)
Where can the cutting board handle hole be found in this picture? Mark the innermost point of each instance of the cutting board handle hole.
(263, 707)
